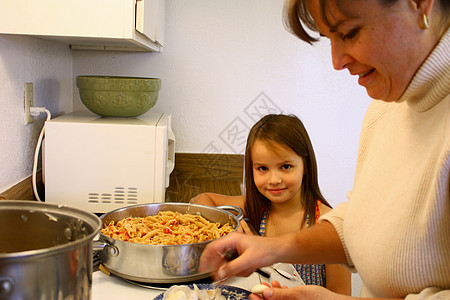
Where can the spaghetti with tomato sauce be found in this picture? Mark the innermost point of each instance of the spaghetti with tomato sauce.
(166, 228)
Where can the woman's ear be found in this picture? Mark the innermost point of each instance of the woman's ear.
(423, 8)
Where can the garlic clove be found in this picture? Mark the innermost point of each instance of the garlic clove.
(259, 288)
(178, 292)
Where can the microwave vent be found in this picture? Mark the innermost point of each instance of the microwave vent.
(120, 196)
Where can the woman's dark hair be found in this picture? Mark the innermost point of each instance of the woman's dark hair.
(297, 16)
(287, 131)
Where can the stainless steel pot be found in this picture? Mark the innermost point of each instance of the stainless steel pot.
(45, 251)
(159, 263)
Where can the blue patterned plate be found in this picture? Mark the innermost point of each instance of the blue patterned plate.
(229, 292)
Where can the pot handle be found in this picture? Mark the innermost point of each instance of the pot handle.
(99, 246)
(233, 209)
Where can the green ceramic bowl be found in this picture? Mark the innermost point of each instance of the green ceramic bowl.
(112, 96)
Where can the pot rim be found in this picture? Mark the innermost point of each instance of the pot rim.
(60, 210)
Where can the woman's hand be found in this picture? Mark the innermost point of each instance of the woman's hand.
(304, 292)
(254, 252)
(275, 284)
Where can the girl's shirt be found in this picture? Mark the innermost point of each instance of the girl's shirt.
(311, 274)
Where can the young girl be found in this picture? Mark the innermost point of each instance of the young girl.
(282, 192)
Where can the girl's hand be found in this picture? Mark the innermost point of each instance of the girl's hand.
(244, 227)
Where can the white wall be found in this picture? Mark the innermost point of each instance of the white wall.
(48, 66)
(222, 55)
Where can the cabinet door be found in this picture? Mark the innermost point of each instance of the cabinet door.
(69, 18)
(150, 19)
(161, 21)
(87, 24)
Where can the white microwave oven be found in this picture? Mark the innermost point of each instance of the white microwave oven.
(100, 164)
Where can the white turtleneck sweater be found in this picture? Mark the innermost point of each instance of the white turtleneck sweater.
(395, 228)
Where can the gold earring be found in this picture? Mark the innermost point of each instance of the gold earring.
(426, 24)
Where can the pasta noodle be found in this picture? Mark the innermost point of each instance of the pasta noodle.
(166, 228)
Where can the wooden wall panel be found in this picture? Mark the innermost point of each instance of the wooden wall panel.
(194, 173)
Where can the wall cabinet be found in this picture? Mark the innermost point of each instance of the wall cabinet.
(119, 25)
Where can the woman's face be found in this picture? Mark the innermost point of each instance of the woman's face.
(383, 45)
(277, 172)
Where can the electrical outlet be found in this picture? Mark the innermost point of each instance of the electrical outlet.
(28, 102)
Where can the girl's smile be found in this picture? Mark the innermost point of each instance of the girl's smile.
(276, 191)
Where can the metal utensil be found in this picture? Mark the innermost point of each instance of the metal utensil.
(288, 271)
(283, 276)
(219, 282)
(228, 256)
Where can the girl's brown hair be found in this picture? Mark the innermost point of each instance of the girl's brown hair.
(288, 131)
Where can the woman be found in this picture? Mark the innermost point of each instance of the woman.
(395, 228)
(282, 192)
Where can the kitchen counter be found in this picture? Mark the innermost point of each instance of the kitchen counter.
(115, 288)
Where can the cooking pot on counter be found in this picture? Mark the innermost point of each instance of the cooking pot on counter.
(159, 263)
(45, 250)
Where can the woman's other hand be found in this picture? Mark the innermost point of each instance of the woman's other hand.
(304, 292)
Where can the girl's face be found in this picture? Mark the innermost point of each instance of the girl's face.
(383, 45)
(277, 172)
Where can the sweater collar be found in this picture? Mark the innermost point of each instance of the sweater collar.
(431, 83)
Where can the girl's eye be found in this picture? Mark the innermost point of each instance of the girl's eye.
(351, 35)
(262, 169)
(286, 167)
